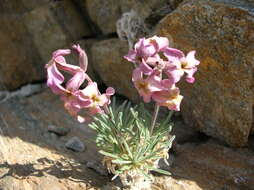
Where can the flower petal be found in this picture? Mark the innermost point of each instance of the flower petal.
(83, 61)
(131, 56)
(136, 74)
(60, 52)
(190, 73)
(94, 110)
(191, 60)
(173, 54)
(76, 81)
(56, 87)
(160, 42)
(110, 91)
(90, 90)
(174, 74)
(53, 73)
(145, 68)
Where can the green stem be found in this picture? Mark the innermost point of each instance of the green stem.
(155, 115)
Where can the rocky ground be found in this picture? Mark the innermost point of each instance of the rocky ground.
(38, 152)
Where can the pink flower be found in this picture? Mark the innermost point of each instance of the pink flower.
(145, 48)
(146, 86)
(83, 62)
(178, 64)
(160, 43)
(145, 53)
(91, 94)
(169, 98)
(55, 79)
(142, 50)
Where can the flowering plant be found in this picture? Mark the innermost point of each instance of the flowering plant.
(130, 139)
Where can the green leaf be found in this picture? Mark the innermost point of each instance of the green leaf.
(108, 154)
(120, 161)
(160, 171)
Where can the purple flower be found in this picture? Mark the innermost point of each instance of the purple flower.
(146, 86)
(96, 100)
(55, 80)
(178, 64)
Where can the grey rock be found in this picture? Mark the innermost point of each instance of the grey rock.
(75, 144)
(60, 131)
(105, 13)
(98, 167)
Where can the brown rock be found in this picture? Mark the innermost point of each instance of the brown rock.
(31, 159)
(213, 166)
(20, 6)
(105, 13)
(114, 70)
(16, 60)
(221, 100)
(174, 3)
(30, 33)
(54, 26)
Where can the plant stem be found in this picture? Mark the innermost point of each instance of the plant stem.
(155, 115)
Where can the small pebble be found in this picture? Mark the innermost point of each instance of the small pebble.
(60, 131)
(75, 144)
(97, 167)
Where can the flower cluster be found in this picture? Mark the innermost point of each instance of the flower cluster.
(158, 69)
(75, 99)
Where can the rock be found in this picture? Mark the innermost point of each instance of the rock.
(105, 13)
(75, 144)
(213, 166)
(114, 70)
(4, 95)
(183, 133)
(16, 55)
(61, 131)
(174, 3)
(98, 167)
(54, 26)
(171, 183)
(30, 32)
(33, 159)
(20, 6)
(28, 90)
(222, 33)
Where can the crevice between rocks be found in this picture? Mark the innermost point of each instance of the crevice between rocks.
(24, 91)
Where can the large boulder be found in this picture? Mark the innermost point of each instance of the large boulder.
(105, 13)
(114, 70)
(29, 33)
(213, 166)
(220, 103)
(18, 56)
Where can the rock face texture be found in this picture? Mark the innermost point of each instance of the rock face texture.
(105, 13)
(33, 158)
(30, 31)
(213, 166)
(220, 103)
